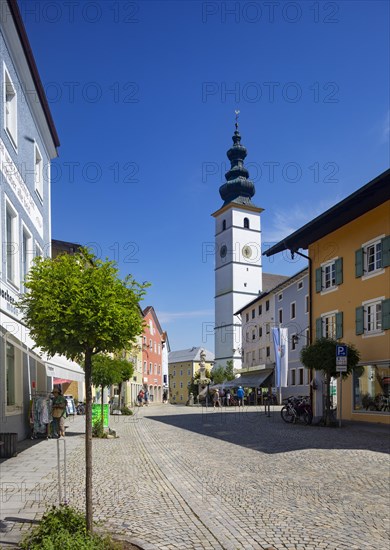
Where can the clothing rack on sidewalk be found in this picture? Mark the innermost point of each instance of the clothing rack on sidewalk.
(40, 415)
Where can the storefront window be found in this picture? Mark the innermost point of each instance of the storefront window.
(371, 389)
(13, 379)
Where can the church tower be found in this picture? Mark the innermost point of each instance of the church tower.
(238, 271)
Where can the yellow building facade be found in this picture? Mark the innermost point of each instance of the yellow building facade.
(349, 265)
(351, 302)
(182, 367)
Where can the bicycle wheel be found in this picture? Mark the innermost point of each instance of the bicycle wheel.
(287, 415)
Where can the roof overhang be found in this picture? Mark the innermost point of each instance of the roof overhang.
(368, 197)
(19, 46)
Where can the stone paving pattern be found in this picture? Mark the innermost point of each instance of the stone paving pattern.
(191, 478)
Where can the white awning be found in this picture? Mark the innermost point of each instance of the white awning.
(60, 367)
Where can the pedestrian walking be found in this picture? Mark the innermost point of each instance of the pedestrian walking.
(140, 398)
(227, 398)
(146, 397)
(216, 399)
(240, 396)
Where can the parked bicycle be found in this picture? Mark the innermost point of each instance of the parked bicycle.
(296, 408)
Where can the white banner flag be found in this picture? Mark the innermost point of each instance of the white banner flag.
(283, 357)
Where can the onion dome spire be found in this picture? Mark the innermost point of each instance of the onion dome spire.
(237, 188)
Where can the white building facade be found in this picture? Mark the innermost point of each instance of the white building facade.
(28, 143)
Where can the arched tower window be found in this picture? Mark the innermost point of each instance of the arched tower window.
(223, 225)
(246, 223)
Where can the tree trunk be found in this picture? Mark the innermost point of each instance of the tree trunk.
(120, 395)
(102, 405)
(88, 440)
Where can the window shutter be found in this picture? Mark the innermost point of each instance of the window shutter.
(360, 320)
(386, 314)
(318, 328)
(318, 279)
(339, 325)
(339, 271)
(359, 262)
(386, 251)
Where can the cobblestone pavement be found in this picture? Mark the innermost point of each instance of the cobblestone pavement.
(187, 478)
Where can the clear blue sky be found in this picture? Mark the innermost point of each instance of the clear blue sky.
(143, 96)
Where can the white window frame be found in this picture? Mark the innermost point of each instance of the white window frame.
(280, 297)
(291, 310)
(16, 407)
(367, 305)
(293, 377)
(38, 172)
(301, 372)
(306, 303)
(293, 341)
(280, 315)
(27, 253)
(10, 101)
(328, 276)
(300, 285)
(14, 279)
(38, 250)
(377, 270)
(325, 318)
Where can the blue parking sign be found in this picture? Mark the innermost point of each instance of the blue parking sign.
(341, 350)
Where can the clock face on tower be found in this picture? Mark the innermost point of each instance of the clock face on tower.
(247, 251)
(223, 251)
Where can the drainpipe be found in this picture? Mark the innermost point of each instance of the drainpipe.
(310, 313)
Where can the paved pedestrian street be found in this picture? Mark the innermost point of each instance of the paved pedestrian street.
(190, 478)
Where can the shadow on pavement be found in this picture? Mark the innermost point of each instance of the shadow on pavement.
(252, 429)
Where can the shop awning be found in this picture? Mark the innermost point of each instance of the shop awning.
(60, 367)
(252, 379)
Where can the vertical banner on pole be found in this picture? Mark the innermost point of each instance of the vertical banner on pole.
(277, 350)
(283, 357)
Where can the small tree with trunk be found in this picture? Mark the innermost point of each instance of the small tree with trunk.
(107, 371)
(321, 356)
(76, 306)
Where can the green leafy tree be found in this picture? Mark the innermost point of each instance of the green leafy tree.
(194, 386)
(77, 306)
(229, 370)
(321, 356)
(107, 371)
(218, 374)
(126, 369)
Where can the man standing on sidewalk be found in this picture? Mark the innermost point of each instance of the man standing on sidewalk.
(240, 396)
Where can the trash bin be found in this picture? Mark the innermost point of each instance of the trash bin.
(8, 443)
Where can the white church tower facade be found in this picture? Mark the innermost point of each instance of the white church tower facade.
(238, 271)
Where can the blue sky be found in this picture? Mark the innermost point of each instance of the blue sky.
(143, 96)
